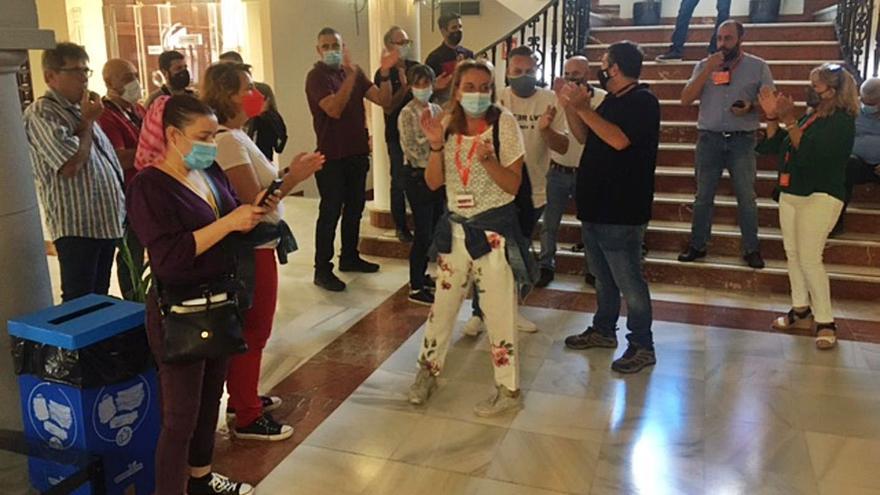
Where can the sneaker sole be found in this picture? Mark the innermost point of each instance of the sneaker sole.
(591, 346)
(528, 329)
(331, 289)
(798, 325)
(630, 372)
(511, 409)
(416, 301)
(357, 270)
(419, 402)
(264, 438)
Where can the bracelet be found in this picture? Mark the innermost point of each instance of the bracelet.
(438, 150)
(772, 119)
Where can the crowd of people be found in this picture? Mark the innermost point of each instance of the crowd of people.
(190, 181)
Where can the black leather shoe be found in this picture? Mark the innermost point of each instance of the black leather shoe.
(329, 281)
(691, 254)
(754, 260)
(358, 265)
(547, 276)
(404, 236)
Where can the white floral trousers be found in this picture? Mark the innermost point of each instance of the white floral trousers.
(492, 276)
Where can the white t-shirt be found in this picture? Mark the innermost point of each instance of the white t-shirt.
(528, 112)
(487, 194)
(572, 157)
(235, 148)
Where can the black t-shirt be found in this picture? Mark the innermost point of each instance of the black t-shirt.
(617, 187)
(392, 134)
(443, 60)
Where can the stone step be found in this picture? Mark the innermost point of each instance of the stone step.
(714, 272)
(671, 89)
(784, 70)
(702, 33)
(768, 50)
(850, 249)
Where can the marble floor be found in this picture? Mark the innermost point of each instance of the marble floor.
(727, 410)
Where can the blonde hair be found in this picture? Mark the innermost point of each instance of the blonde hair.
(846, 93)
(457, 119)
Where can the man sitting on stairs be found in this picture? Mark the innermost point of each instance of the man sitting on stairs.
(727, 84)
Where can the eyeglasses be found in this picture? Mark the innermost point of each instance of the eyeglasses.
(84, 71)
(402, 42)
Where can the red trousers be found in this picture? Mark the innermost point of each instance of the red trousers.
(244, 369)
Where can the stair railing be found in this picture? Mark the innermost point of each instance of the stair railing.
(556, 32)
(856, 26)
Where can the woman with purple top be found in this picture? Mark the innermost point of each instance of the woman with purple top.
(181, 207)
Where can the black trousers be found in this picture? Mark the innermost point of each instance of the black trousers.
(341, 184)
(399, 191)
(427, 206)
(123, 273)
(858, 172)
(85, 265)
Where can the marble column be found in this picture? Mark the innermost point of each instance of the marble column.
(24, 273)
(382, 15)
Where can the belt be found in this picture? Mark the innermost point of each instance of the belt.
(730, 134)
(563, 168)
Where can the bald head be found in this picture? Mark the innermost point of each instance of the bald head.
(117, 73)
(870, 92)
(577, 69)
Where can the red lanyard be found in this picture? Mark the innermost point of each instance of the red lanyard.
(806, 125)
(464, 172)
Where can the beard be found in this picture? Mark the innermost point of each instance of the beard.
(731, 53)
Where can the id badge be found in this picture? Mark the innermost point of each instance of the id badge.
(464, 200)
(721, 78)
(784, 179)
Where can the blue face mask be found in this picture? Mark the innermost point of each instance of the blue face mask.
(870, 110)
(476, 104)
(524, 85)
(200, 157)
(423, 94)
(333, 58)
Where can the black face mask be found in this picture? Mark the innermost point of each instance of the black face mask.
(604, 77)
(814, 98)
(180, 80)
(454, 38)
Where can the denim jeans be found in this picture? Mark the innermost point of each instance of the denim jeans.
(614, 253)
(737, 154)
(683, 21)
(427, 206)
(398, 185)
(560, 189)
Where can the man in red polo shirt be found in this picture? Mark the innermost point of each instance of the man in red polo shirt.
(121, 122)
(335, 89)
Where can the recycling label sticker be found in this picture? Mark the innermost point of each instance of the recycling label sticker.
(50, 412)
(119, 412)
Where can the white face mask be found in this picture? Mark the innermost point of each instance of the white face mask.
(132, 91)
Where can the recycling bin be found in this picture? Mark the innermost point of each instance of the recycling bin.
(88, 383)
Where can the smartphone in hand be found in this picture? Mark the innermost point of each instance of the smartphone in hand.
(274, 186)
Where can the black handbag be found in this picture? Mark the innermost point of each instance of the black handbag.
(209, 330)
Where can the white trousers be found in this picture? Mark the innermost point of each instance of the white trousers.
(806, 222)
(492, 276)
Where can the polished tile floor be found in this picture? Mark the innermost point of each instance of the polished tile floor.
(726, 410)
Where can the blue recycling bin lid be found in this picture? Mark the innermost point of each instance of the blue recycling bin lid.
(80, 322)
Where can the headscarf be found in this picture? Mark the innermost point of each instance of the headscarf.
(151, 145)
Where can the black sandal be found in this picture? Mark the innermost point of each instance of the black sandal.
(794, 319)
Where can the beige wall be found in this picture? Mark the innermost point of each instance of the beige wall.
(495, 20)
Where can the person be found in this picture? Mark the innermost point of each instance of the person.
(183, 208)
(426, 204)
(561, 178)
(175, 72)
(682, 23)
(727, 84)
(335, 89)
(615, 191)
(229, 90)
(864, 164)
(121, 122)
(445, 57)
(478, 240)
(267, 129)
(813, 153)
(396, 39)
(78, 175)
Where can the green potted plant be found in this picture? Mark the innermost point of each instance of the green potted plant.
(141, 276)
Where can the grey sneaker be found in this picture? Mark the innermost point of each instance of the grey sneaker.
(591, 338)
(421, 389)
(502, 401)
(635, 359)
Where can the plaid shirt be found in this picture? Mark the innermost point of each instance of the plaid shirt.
(91, 204)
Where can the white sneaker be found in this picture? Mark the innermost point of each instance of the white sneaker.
(474, 326)
(524, 325)
(502, 401)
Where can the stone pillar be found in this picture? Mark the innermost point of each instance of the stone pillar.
(24, 274)
(382, 15)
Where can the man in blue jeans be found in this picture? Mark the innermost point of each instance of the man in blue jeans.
(727, 84)
(615, 191)
(682, 23)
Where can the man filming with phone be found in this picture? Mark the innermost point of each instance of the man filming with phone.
(727, 84)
